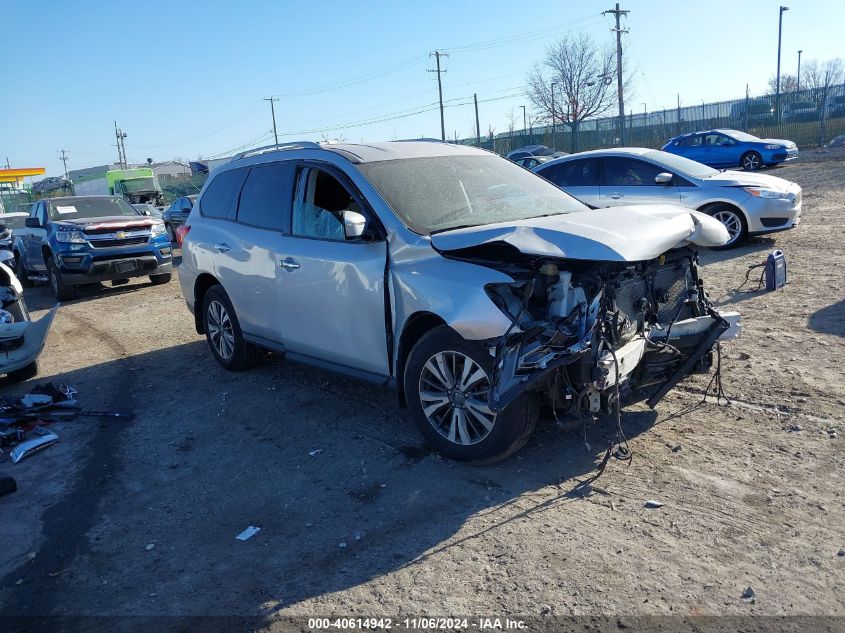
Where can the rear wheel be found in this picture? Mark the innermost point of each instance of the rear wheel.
(223, 332)
(751, 161)
(733, 220)
(447, 383)
(62, 291)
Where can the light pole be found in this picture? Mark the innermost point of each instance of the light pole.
(553, 112)
(524, 122)
(798, 78)
(780, 31)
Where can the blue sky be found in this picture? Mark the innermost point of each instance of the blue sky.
(185, 79)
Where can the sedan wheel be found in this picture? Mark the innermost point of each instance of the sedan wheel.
(733, 221)
(453, 391)
(752, 161)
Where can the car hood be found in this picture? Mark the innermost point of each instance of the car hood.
(628, 233)
(111, 222)
(776, 141)
(747, 179)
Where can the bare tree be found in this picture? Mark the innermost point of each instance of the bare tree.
(584, 76)
(510, 118)
(788, 84)
(821, 78)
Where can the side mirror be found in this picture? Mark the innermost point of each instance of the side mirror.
(353, 224)
(32, 223)
(664, 178)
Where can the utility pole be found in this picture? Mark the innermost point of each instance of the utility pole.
(122, 141)
(780, 30)
(477, 125)
(552, 88)
(618, 13)
(272, 100)
(119, 151)
(64, 160)
(524, 122)
(437, 56)
(798, 80)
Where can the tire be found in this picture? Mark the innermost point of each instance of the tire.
(223, 332)
(161, 279)
(733, 220)
(21, 273)
(170, 233)
(62, 291)
(24, 373)
(751, 161)
(457, 429)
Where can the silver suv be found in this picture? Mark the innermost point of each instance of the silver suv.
(473, 287)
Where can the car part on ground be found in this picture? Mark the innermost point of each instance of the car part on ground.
(474, 288)
(21, 339)
(746, 203)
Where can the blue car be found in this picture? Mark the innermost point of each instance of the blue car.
(731, 148)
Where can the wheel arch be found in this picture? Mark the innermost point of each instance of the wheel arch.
(204, 282)
(416, 326)
(712, 204)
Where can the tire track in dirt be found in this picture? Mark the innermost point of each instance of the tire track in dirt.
(67, 522)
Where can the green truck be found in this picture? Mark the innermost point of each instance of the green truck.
(138, 186)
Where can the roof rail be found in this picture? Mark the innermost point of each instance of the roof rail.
(277, 147)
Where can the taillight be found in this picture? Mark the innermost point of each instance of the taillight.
(181, 232)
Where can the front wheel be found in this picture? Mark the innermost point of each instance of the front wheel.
(62, 291)
(223, 332)
(21, 272)
(447, 383)
(751, 161)
(161, 279)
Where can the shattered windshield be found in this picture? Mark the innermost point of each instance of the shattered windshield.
(445, 192)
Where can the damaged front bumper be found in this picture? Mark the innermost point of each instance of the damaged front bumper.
(22, 342)
(645, 329)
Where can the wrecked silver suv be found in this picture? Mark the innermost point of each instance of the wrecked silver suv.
(475, 288)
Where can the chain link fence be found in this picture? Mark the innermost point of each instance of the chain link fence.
(810, 118)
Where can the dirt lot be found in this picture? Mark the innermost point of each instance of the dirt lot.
(377, 524)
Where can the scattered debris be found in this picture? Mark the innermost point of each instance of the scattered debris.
(749, 594)
(248, 533)
(795, 428)
(841, 552)
(25, 449)
(546, 610)
(651, 503)
(150, 547)
(315, 451)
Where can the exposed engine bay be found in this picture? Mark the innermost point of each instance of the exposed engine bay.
(594, 335)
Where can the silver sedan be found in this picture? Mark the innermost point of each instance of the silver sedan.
(746, 203)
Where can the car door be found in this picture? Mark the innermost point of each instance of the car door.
(331, 296)
(691, 147)
(718, 150)
(578, 177)
(246, 260)
(627, 180)
(34, 239)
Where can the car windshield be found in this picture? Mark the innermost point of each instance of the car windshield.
(680, 164)
(445, 192)
(100, 207)
(741, 136)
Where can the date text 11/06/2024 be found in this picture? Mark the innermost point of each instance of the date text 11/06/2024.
(423, 623)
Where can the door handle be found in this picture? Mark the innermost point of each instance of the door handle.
(288, 263)
(616, 195)
(222, 247)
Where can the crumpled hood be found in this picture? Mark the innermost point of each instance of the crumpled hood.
(115, 222)
(628, 233)
(748, 179)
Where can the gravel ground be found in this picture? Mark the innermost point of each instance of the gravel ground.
(140, 518)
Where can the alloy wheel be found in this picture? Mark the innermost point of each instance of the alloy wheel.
(751, 162)
(453, 392)
(732, 223)
(220, 331)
